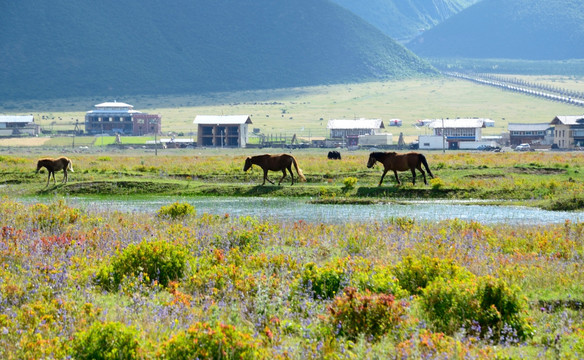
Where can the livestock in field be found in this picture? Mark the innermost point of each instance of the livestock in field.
(274, 163)
(400, 162)
(53, 165)
(334, 155)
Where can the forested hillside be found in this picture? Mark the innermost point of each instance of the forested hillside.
(111, 48)
(404, 19)
(512, 29)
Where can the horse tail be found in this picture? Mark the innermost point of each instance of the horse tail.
(298, 170)
(425, 163)
(70, 165)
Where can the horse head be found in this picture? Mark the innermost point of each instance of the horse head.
(39, 166)
(371, 161)
(247, 164)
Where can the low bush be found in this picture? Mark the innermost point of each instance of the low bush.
(565, 203)
(54, 216)
(414, 274)
(349, 183)
(204, 341)
(323, 283)
(437, 183)
(158, 261)
(176, 210)
(377, 279)
(110, 340)
(484, 306)
(369, 314)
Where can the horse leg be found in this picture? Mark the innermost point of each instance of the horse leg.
(414, 176)
(291, 174)
(266, 178)
(396, 177)
(64, 181)
(382, 176)
(283, 176)
(423, 174)
(48, 179)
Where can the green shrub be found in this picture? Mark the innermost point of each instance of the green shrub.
(377, 279)
(203, 341)
(157, 261)
(349, 183)
(111, 340)
(414, 274)
(176, 210)
(486, 306)
(437, 183)
(324, 283)
(402, 223)
(53, 216)
(565, 203)
(369, 314)
(243, 238)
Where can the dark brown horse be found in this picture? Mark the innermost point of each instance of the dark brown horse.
(274, 163)
(53, 165)
(400, 162)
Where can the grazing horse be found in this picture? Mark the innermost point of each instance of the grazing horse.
(334, 155)
(53, 165)
(400, 162)
(274, 163)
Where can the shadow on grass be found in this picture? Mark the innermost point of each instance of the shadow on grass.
(50, 189)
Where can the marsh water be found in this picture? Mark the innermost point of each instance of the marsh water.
(302, 209)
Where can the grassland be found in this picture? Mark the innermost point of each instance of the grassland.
(305, 111)
(546, 179)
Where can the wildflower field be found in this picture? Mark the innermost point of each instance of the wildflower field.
(178, 284)
(95, 283)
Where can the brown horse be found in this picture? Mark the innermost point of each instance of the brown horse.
(53, 165)
(400, 162)
(274, 163)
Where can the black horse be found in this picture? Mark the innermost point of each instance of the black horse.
(334, 155)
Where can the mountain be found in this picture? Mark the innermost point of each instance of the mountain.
(404, 19)
(63, 48)
(511, 29)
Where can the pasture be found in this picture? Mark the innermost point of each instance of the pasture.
(305, 111)
(548, 179)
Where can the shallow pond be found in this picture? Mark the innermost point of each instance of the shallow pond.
(301, 209)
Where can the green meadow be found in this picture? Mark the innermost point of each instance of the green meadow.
(550, 180)
(305, 111)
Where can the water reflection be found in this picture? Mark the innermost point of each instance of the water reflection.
(301, 209)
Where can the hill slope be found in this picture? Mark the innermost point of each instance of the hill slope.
(119, 47)
(404, 19)
(513, 29)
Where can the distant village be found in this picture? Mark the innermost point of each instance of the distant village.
(563, 132)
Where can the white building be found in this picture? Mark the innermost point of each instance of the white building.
(453, 134)
(121, 118)
(382, 140)
(568, 131)
(13, 125)
(350, 130)
(222, 130)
